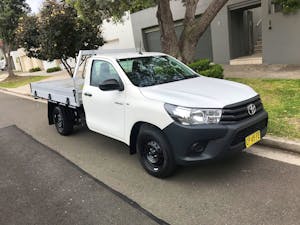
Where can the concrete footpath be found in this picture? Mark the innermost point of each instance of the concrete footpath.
(39, 186)
(263, 71)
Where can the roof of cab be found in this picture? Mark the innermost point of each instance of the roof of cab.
(126, 55)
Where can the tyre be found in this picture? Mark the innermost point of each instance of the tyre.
(63, 121)
(154, 152)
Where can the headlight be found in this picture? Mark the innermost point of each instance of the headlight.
(193, 116)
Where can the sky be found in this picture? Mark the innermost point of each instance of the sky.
(34, 5)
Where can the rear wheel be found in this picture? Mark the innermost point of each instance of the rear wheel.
(154, 152)
(63, 122)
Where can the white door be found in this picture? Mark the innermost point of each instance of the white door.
(104, 110)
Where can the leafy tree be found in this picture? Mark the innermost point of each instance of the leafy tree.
(10, 12)
(97, 10)
(288, 6)
(194, 27)
(57, 33)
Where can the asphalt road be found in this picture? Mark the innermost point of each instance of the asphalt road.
(38, 186)
(245, 190)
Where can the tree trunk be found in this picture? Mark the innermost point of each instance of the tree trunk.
(187, 42)
(168, 36)
(6, 52)
(67, 66)
(196, 27)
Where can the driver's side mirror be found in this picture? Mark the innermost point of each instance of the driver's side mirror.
(111, 85)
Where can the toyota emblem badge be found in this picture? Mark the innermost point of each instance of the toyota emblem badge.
(251, 109)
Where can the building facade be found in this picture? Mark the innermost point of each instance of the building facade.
(23, 63)
(242, 28)
(118, 35)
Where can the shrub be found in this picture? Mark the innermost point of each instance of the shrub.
(206, 68)
(35, 69)
(287, 6)
(53, 69)
(200, 65)
(215, 71)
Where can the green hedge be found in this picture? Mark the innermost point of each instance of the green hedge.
(200, 65)
(53, 69)
(288, 6)
(35, 69)
(206, 68)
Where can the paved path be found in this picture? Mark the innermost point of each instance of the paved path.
(262, 71)
(38, 186)
(246, 190)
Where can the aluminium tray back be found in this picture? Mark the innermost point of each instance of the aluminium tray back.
(60, 91)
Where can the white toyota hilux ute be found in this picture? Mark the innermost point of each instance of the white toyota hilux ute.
(162, 109)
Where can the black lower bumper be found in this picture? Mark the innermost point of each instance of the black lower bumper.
(197, 143)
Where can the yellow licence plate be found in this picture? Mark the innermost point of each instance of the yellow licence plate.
(252, 139)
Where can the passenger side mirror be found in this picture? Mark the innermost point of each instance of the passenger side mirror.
(111, 85)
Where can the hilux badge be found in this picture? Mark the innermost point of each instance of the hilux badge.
(251, 109)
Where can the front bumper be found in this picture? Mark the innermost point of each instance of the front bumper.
(197, 143)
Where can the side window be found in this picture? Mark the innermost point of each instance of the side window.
(101, 71)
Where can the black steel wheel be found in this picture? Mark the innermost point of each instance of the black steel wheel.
(154, 152)
(63, 122)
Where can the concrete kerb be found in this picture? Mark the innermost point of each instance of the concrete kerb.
(25, 96)
(269, 141)
(281, 144)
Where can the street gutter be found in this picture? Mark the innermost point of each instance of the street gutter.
(281, 144)
(21, 95)
(277, 143)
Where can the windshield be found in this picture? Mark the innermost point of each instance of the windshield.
(153, 70)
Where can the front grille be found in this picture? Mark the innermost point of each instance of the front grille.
(241, 135)
(237, 112)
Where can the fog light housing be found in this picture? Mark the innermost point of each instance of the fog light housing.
(198, 147)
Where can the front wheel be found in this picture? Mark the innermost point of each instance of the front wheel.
(63, 122)
(154, 152)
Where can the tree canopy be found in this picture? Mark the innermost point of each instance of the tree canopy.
(288, 6)
(96, 10)
(57, 33)
(10, 13)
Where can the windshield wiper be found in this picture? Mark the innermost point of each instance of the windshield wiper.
(191, 76)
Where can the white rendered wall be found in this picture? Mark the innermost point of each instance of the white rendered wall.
(51, 64)
(118, 35)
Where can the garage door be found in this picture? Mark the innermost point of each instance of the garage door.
(152, 42)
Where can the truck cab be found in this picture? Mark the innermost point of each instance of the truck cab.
(159, 107)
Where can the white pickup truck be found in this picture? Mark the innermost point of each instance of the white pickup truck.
(162, 109)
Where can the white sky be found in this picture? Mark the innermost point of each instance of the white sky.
(34, 5)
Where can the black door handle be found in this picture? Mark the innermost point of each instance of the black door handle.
(88, 94)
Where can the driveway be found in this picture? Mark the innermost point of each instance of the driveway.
(246, 190)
